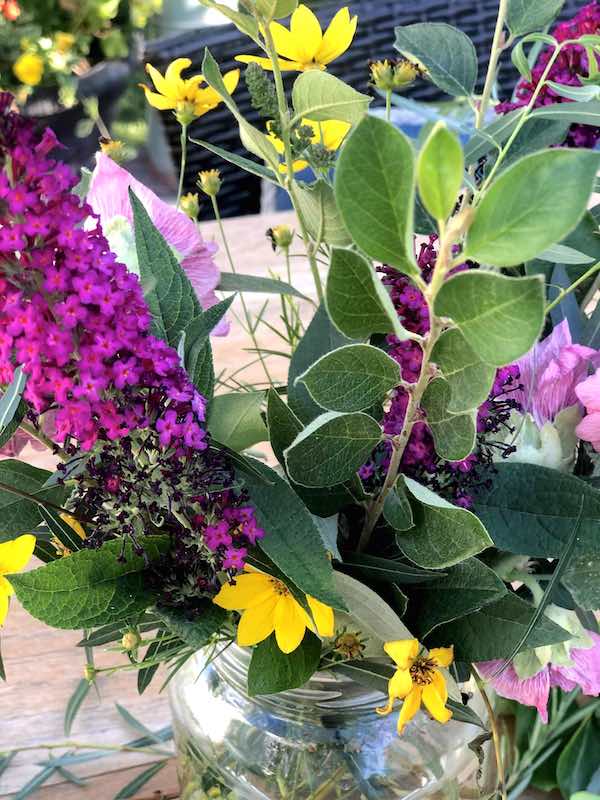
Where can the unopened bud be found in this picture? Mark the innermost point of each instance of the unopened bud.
(190, 205)
(131, 641)
(210, 182)
(394, 74)
(281, 237)
(114, 149)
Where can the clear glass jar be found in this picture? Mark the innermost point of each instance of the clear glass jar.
(321, 742)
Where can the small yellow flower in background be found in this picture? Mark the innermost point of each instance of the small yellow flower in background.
(330, 134)
(190, 205)
(394, 74)
(304, 46)
(210, 182)
(29, 69)
(115, 149)
(14, 556)
(281, 236)
(418, 680)
(268, 605)
(185, 96)
(63, 42)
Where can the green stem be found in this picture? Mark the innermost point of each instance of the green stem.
(388, 105)
(45, 440)
(184, 129)
(290, 181)
(249, 324)
(110, 748)
(495, 734)
(497, 48)
(565, 292)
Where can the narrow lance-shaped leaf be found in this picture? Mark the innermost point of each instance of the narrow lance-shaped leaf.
(375, 192)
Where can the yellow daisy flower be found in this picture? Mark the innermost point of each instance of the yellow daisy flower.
(267, 605)
(14, 556)
(304, 46)
(418, 680)
(186, 96)
(330, 134)
(29, 69)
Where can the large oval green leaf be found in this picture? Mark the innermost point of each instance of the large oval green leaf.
(534, 204)
(321, 96)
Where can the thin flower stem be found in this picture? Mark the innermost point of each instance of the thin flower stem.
(566, 292)
(290, 182)
(6, 487)
(184, 129)
(388, 105)
(45, 440)
(250, 326)
(497, 49)
(495, 734)
(111, 748)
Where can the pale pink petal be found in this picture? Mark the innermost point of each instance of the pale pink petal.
(589, 392)
(589, 430)
(108, 196)
(530, 692)
(585, 671)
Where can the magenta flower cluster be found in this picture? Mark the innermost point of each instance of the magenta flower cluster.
(73, 317)
(570, 66)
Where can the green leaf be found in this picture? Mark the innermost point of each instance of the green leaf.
(357, 302)
(246, 164)
(170, 295)
(352, 378)
(447, 53)
(581, 579)
(253, 140)
(469, 378)
(243, 22)
(493, 631)
(443, 534)
(90, 587)
(375, 192)
(197, 356)
(397, 510)
(525, 16)
(532, 510)
(273, 671)
(440, 168)
(320, 337)
(133, 787)
(369, 613)
(501, 318)
(321, 214)
(581, 113)
(579, 760)
(275, 9)
(197, 632)
(454, 435)
(11, 400)
(511, 222)
(560, 254)
(292, 541)
(320, 96)
(388, 571)
(332, 448)
(236, 419)
(19, 515)
(74, 704)
(464, 589)
(234, 282)
(147, 673)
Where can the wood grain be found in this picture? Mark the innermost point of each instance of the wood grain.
(43, 665)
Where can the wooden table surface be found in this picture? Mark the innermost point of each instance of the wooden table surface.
(44, 666)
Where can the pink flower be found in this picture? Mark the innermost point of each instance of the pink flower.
(584, 673)
(589, 393)
(550, 373)
(109, 197)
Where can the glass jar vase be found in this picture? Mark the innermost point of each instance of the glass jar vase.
(324, 741)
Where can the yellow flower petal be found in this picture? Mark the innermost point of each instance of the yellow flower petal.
(157, 100)
(231, 80)
(266, 63)
(160, 84)
(290, 623)
(439, 682)
(173, 74)
(338, 37)
(322, 615)
(332, 133)
(409, 708)
(73, 523)
(443, 656)
(6, 588)
(436, 704)
(14, 555)
(306, 32)
(285, 44)
(3, 607)
(400, 685)
(257, 623)
(247, 591)
(403, 652)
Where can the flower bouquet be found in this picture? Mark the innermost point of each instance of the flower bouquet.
(335, 610)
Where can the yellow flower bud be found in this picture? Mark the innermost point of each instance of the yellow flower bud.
(190, 205)
(394, 74)
(281, 236)
(131, 641)
(29, 69)
(210, 182)
(63, 42)
(113, 148)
